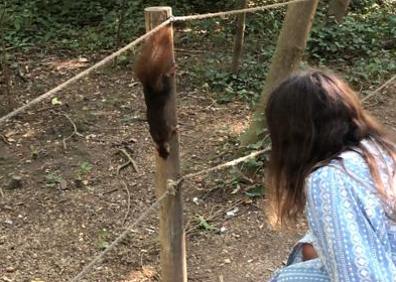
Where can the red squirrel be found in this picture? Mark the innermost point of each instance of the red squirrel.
(155, 69)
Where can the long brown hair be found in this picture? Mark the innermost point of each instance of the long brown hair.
(312, 117)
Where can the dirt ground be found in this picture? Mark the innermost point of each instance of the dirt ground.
(62, 201)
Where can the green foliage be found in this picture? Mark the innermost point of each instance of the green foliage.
(364, 5)
(356, 46)
(230, 85)
(103, 238)
(83, 171)
(371, 70)
(70, 24)
(255, 191)
(84, 25)
(85, 168)
(204, 224)
(358, 35)
(34, 152)
(53, 179)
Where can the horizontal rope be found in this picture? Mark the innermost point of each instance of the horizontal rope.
(82, 74)
(157, 202)
(233, 12)
(224, 165)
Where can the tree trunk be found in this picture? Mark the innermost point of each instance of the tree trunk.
(239, 35)
(286, 59)
(338, 9)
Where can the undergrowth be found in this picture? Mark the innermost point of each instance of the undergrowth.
(357, 47)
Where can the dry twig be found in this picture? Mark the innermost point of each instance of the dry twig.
(75, 131)
(4, 139)
(110, 191)
(129, 162)
(1, 190)
(129, 201)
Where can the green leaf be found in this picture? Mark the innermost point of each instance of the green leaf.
(55, 101)
(203, 223)
(85, 167)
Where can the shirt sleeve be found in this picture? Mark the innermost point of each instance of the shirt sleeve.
(351, 244)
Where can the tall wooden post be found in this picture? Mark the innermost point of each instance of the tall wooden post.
(239, 36)
(172, 237)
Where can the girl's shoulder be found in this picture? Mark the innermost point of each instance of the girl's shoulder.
(348, 164)
(352, 163)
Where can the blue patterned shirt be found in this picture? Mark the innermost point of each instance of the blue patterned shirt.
(351, 225)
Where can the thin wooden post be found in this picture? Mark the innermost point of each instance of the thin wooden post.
(338, 9)
(239, 36)
(172, 237)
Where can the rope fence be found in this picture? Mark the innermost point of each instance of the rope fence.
(52, 92)
(82, 74)
(233, 12)
(170, 191)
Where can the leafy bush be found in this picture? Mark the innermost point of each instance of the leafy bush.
(356, 45)
(88, 24)
(358, 35)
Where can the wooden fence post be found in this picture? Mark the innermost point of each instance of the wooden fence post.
(239, 36)
(171, 234)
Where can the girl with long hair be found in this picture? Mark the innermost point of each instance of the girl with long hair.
(332, 161)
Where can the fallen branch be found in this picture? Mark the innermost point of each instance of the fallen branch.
(111, 191)
(129, 162)
(379, 89)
